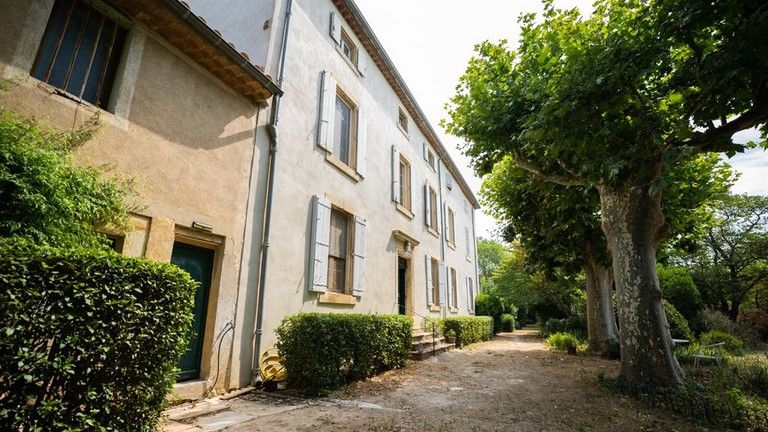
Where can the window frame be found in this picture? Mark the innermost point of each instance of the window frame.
(353, 119)
(349, 252)
(402, 121)
(432, 159)
(451, 226)
(406, 195)
(454, 287)
(433, 215)
(435, 269)
(354, 51)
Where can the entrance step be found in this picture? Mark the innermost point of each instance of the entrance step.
(424, 346)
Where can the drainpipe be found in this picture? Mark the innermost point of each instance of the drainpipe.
(272, 130)
(442, 235)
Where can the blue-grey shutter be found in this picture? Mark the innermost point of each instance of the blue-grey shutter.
(449, 287)
(358, 264)
(362, 62)
(362, 142)
(443, 285)
(427, 207)
(428, 267)
(321, 226)
(327, 111)
(335, 28)
(395, 175)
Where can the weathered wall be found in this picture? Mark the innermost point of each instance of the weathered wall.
(188, 142)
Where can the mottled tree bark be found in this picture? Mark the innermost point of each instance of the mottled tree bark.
(634, 227)
(601, 320)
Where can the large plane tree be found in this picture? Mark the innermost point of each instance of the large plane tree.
(610, 103)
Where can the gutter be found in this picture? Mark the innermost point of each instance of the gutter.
(272, 130)
(442, 237)
(197, 24)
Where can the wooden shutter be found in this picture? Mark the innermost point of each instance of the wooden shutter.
(445, 219)
(427, 207)
(425, 149)
(395, 175)
(358, 264)
(362, 142)
(443, 285)
(335, 28)
(448, 297)
(362, 62)
(468, 243)
(321, 226)
(428, 267)
(327, 110)
(470, 304)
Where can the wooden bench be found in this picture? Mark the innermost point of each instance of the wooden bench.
(702, 355)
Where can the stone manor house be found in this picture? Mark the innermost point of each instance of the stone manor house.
(280, 158)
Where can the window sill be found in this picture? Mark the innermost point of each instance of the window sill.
(434, 308)
(454, 310)
(344, 168)
(433, 231)
(405, 132)
(404, 210)
(451, 245)
(337, 298)
(347, 60)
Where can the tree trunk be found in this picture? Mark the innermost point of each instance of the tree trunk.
(634, 226)
(601, 320)
(733, 312)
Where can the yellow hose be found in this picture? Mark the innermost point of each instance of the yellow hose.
(271, 367)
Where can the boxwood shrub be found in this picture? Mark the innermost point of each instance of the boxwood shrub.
(507, 322)
(322, 351)
(90, 339)
(466, 330)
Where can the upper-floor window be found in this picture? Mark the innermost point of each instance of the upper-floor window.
(451, 230)
(402, 120)
(430, 198)
(80, 51)
(348, 48)
(341, 129)
(405, 183)
(429, 156)
(343, 142)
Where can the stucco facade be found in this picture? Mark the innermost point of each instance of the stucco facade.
(186, 139)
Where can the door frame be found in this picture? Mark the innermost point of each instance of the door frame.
(215, 243)
(409, 304)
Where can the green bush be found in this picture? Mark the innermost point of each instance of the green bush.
(90, 338)
(576, 325)
(322, 351)
(467, 329)
(507, 322)
(566, 342)
(733, 345)
(678, 326)
(490, 305)
(714, 320)
(678, 288)
(749, 373)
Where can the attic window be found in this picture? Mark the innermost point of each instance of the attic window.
(402, 120)
(348, 48)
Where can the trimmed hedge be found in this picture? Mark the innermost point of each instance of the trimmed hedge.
(90, 338)
(507, 322)
(564, 342)
(466, 330)
(323, 351)
(488, 304)
(575, 325)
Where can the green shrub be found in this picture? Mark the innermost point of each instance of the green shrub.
(322, 351)
(755, 320)
(490, 305)
(467, 329)
(678, 288)
(749, 373)
(678, 326)
(733, 345)
(90, 338)
(507, 322)
(714, 320)
(576, 325)
(566, 342)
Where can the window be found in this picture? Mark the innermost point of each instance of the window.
(451, 227)
(348, 48)
(405, 183)
(433, 208)
(338, 262)
(80, 51)
(435, 281)
(343, 142)
(116, 242)
(454, 289)
(402, 120)
(431, 159)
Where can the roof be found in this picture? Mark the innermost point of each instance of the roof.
(176, 23)
(362, 29)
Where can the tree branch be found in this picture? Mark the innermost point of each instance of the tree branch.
(551, 178)
(719, 138)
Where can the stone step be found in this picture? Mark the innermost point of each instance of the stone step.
(426, 344)
(427, 353)
(422, 336)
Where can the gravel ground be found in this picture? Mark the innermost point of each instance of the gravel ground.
(512, 383)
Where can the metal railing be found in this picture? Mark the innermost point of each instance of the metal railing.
(428, 320)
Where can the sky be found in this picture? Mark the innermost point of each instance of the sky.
(430, 42)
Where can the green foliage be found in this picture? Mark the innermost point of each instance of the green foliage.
(489, 256)
(678, 326)
(322, 351)
(575, 325)
(733, 345)
(756, 320)
(677, 287)
(714, 320)
(565, 342)
(507, 322)
(90, 338)
(44, 195)
(489, 304)
(467, 329)
(749, 373)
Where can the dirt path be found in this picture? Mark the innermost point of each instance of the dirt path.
(512, 383)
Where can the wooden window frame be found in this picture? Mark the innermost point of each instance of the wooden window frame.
(435, 268)
(352, 144)
(454, 288)
(406, 198)
(451, 222)
(349, 256)
(354, 52)
(433, 215)
(432, 159)
(402, 121)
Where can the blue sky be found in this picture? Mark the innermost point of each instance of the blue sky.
(430, 42)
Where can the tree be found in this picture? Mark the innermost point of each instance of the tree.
(490, 253)
(610, 103)
(44, 196)
(734, 262)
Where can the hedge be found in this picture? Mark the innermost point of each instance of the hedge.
(90, 338)
(323, 351)
(575, 325)
(678, 325)
(466, 330)
(507, 322)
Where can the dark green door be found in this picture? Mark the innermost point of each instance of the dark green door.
(198, 262)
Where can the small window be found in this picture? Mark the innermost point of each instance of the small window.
(348, 48)
(115, 242)
(431, 159)
(405, 183)
(435, 282)
(402, 120)
(345, 122)
(451, 227)
(454, 289)
(80, 51)
(432, 208)
(338, 252)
